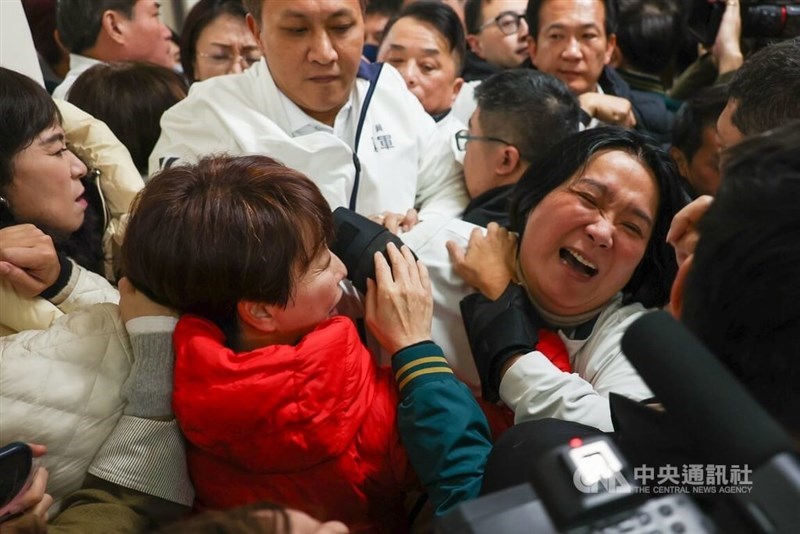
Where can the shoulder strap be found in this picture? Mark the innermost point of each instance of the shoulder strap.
(371, 71)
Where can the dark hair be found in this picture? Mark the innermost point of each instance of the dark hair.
(697, 114)
(241, 520)
(201, 15)
(766, 87)
(255, 8)
(648, 34)
(473, 15)
(651, 282)
(79, 21)
(26, 110)
(535, 7)
(388, 8)
(527, 108)
(259, 224)
(443, 19)
(41, 17)
(741, 296)
(130, 98)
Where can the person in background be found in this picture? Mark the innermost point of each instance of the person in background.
(425, 43)
(53, 57)
(216, 41)
(376, 15)
(96, 31)
(130, 98)
(695, 145)
(496, 37)
(648, 34)
(520, 114)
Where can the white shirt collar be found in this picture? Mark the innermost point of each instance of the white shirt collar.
(343, 125)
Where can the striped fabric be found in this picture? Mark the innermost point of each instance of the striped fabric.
(148, 456)
(417, 364)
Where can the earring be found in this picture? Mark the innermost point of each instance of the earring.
(4, 202)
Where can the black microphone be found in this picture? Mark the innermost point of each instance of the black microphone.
(696, 388)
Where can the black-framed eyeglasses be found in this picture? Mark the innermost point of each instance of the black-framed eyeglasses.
(508, 22)
(463, 136)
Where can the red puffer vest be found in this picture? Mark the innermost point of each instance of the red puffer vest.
(311, 426)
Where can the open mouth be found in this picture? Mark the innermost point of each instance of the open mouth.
(577, 262)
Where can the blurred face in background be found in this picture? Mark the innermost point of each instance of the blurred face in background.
(502, 39)
(225, 46)
(422, 56)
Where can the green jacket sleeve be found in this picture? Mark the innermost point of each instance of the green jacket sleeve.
(441, 425)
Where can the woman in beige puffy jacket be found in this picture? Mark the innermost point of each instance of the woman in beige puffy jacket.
(64, 351)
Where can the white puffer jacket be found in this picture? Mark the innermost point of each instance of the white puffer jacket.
(60, 384)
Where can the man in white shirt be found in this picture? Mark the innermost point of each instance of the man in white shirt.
(313, 104)
(97, 31)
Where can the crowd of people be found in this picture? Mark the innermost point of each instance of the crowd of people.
(180, 345)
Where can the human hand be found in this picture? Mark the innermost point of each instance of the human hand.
(608, 108)
(399, 308)
(34, 500)
(488, 262)
(396, 221)
(133, 303)
(683, 234)
(28, 259)
(726, 51)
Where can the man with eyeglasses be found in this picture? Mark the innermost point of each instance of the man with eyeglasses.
(98, 31)
(496, 37)
(350, 126)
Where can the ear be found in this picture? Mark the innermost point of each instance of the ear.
(257, 315)
(531, 48)
(610, 46)
(457, 84)
(253, 26)
(617, 58)
(678, 286)
(509, 162)
(474, 44)
(679, 158)
(113, 24)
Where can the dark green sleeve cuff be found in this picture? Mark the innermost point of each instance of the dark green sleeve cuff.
(419, 364)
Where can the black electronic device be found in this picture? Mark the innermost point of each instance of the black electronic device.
(778, 19)
(357, 240)
(16, 466)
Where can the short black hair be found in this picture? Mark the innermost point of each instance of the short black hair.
(535, 7)
(695, 115)
(444, 19)
(79, 21)
(473, 15)
(651, 282)
(648, 34)
(527, 108)
(389, 8)
(741, 296)
(201, 15)
(255, 8)
(765, 88)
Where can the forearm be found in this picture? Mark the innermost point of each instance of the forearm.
(441, 425)
(535, 389)
(146, 451)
